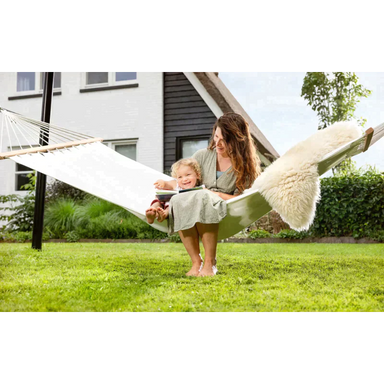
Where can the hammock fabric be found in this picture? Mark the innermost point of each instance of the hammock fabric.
(85, 163)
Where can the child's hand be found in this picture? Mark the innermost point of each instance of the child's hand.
(159, 184)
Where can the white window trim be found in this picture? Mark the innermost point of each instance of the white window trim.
(37, 89)
(111, 81)
(112, 144)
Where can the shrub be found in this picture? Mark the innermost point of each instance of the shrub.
(175, 238)
(95, 219)
(94, 207)
(72, 237)
(107, 226)
(60, 217)
(291, 234)
(22, 237)
(378, 236)
(352, 203)
(259, 234)
(22, 209)
(57, 190)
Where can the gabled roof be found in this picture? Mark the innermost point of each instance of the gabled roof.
(227, 103)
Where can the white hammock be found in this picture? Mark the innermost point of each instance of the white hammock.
(85, 163)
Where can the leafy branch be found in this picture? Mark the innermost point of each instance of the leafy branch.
(333, 96)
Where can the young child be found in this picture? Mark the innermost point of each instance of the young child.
(187, 174)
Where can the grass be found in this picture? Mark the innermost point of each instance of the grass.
(150, 277)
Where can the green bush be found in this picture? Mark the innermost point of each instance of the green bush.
(20, 237)
(57, 190)
(174, 238)
(291, 234)
(21, 210)
(95, 219)
(60, 217)
(107, 226)
(259, 234)
(352, 204)
(378, 236)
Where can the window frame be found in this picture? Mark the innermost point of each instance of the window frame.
(180, 139)
(37, 92)
(111, 81)
(41, 82)
(113, 143)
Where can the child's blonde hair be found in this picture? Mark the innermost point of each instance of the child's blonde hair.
(190, 162)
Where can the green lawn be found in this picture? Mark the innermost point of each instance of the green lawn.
(150, 277)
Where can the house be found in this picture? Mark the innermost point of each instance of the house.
(154, 118)
(192, 103)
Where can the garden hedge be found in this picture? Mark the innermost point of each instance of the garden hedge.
(352, 204)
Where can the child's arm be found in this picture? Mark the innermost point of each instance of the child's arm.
(162, 184)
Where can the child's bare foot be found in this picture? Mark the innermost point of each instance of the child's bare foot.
(195, 270)
(161, 214)
(151, 214)
(208, 270)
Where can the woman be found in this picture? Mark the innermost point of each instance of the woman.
(229, 166)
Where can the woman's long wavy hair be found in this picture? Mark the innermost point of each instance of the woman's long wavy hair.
(240, 148)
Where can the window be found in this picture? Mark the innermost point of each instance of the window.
(26, 81)
(33, 81)
(187, 146)
(124, 76)
(127, 148)
(56, 80)
(109, 78)
(22, 173)
(97, 78)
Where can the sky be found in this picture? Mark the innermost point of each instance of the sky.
(273, 101)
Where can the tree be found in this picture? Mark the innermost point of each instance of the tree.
(334, 96)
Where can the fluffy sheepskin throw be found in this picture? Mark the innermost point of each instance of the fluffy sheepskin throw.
(291, 184)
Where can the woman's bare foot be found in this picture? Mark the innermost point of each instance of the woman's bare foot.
(151, 214)
(161, 214)
(196, 268)
(208, 270)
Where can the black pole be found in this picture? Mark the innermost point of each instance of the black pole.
(38, 221)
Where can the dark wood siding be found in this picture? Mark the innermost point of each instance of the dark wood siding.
(185, 114)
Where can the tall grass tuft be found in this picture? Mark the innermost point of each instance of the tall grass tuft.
(96, 219)
(60, 217)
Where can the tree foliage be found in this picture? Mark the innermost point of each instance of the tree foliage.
(333, 96)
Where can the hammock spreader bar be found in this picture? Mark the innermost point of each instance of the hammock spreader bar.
(48, 148)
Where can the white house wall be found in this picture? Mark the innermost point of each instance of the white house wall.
(129, 113)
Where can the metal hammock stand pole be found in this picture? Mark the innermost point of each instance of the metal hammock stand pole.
(41, 179)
